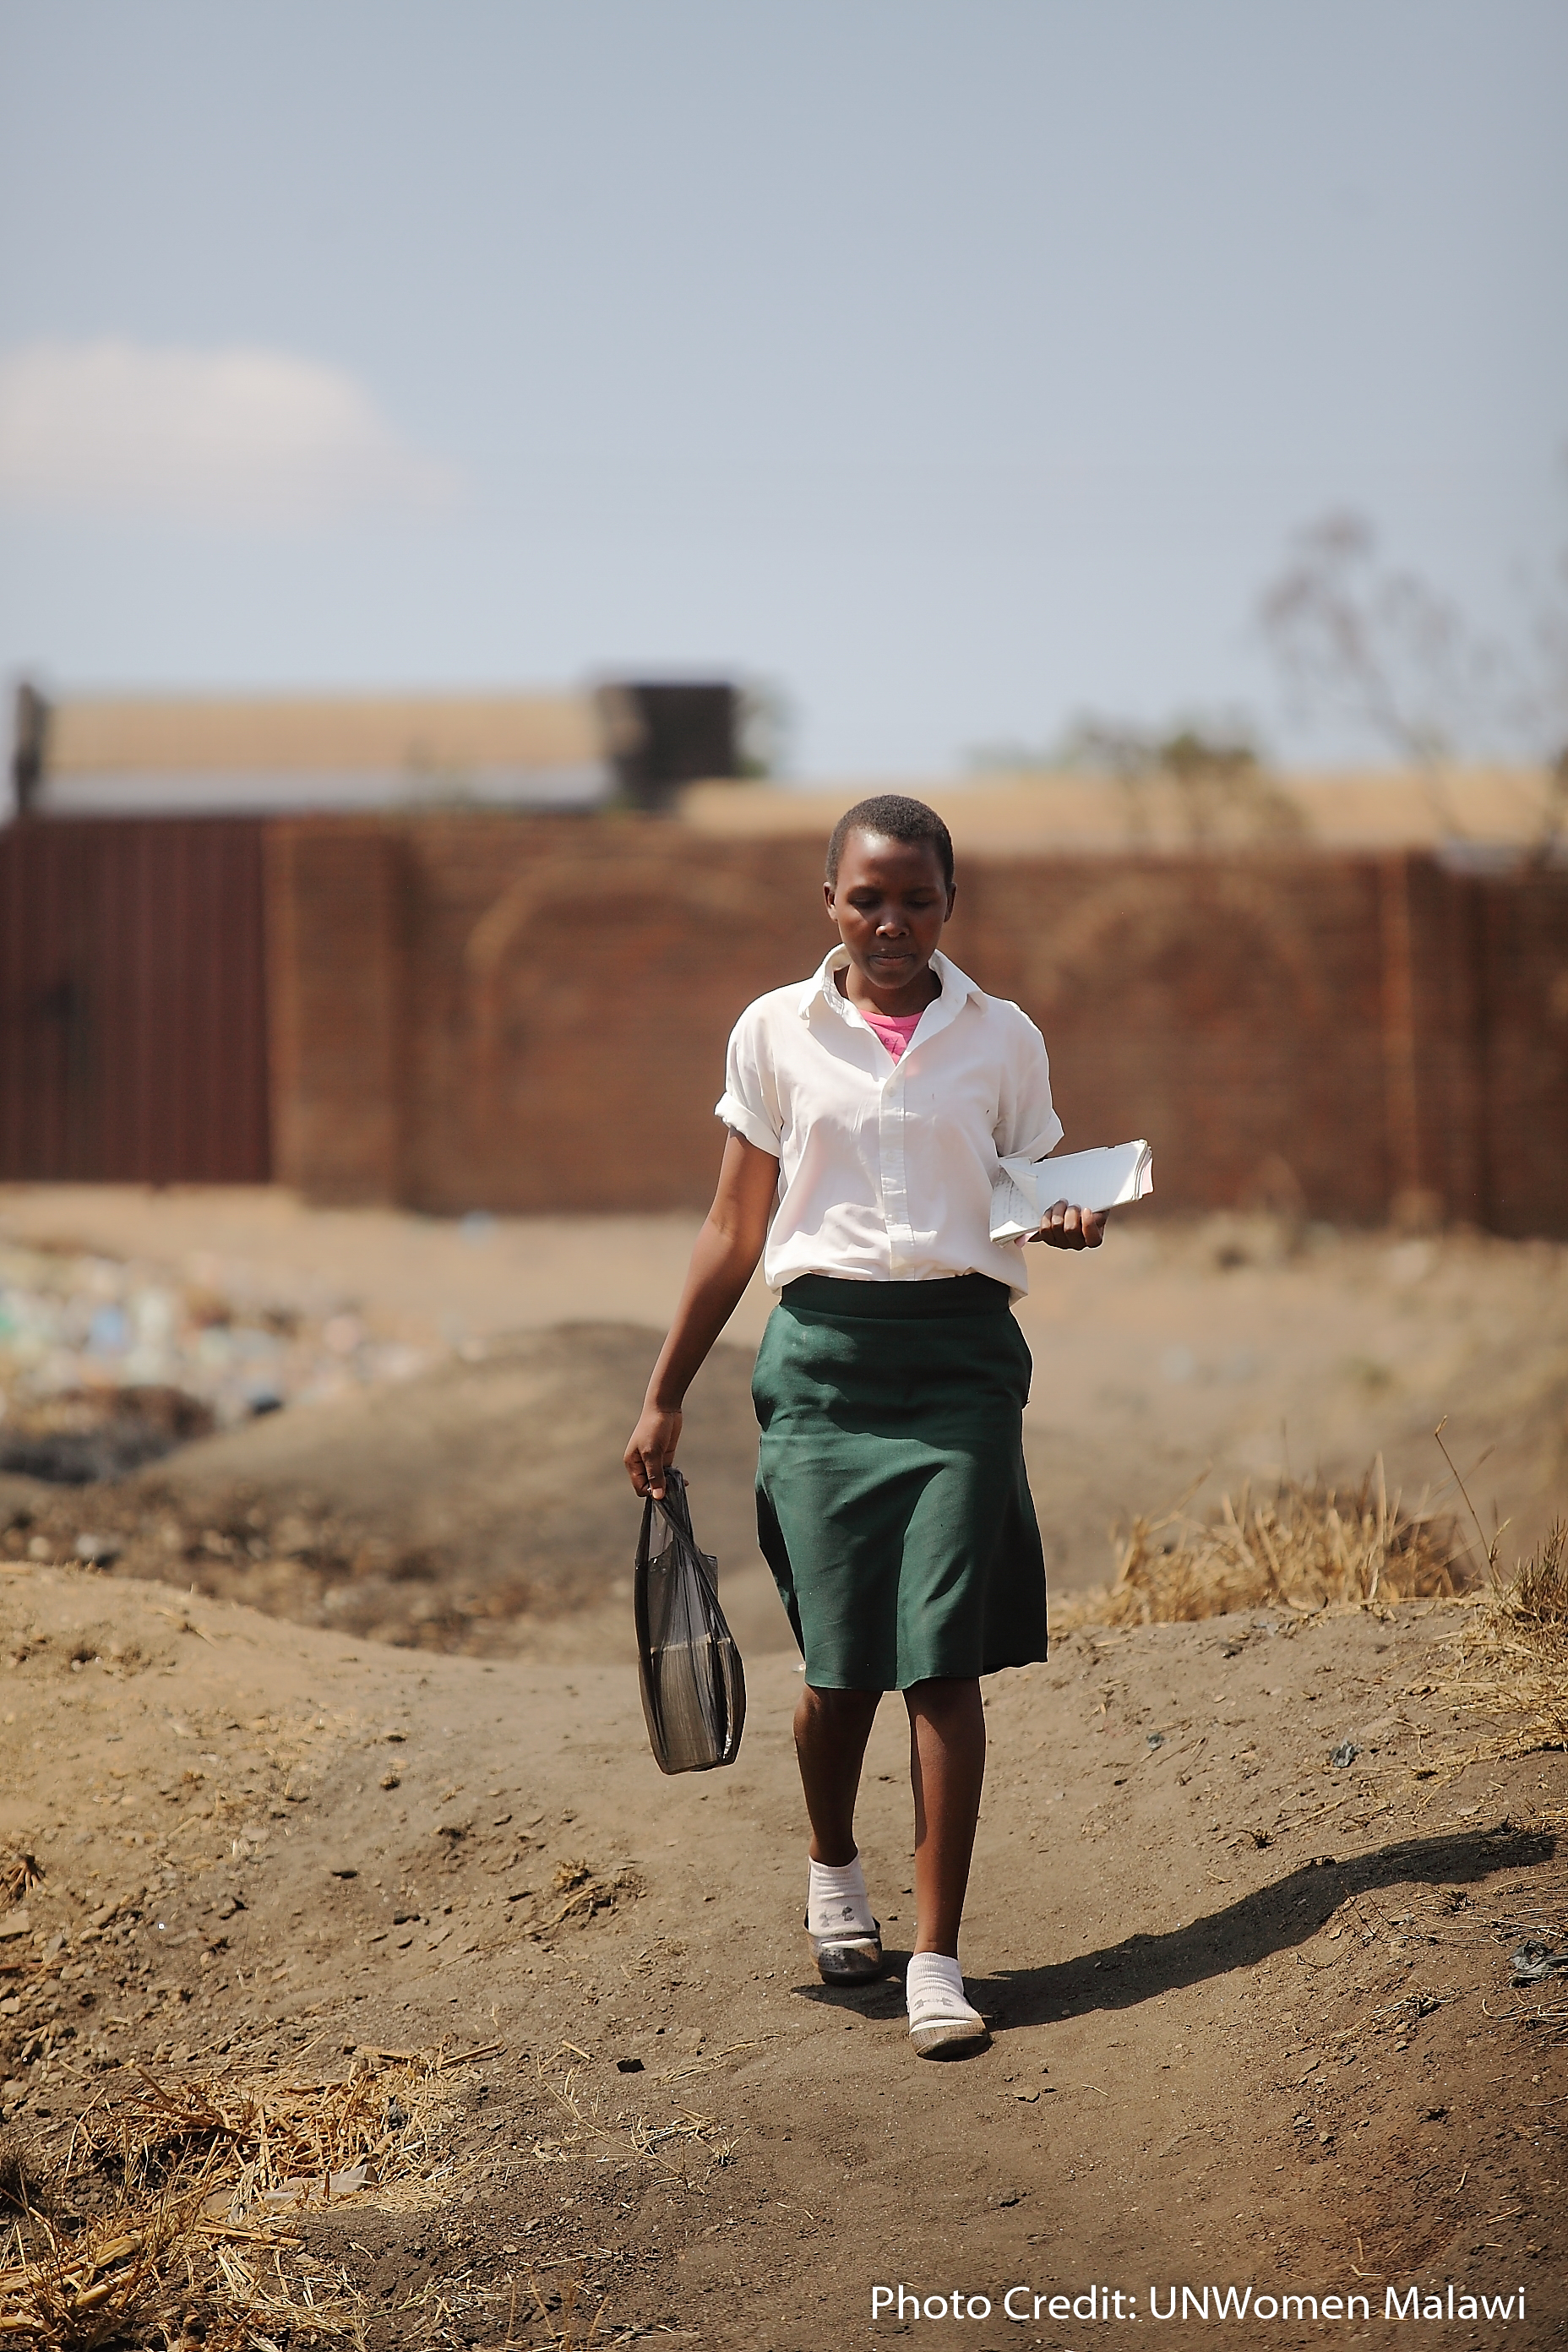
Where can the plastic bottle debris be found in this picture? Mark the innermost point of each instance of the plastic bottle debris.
(1535, 1963)
(106, 1366)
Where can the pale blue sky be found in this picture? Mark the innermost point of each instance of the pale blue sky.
(958, 366)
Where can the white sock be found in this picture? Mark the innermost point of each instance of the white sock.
(933, 1982)
(837, 1903)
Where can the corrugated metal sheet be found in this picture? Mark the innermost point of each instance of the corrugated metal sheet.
(132, 1003)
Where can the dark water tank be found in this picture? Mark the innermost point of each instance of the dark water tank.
(664, 735)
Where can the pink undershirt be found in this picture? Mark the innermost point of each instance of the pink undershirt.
(894, 1029)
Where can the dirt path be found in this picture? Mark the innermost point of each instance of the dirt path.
(1254, 2024)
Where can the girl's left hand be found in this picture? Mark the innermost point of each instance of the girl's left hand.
(1063, 1227)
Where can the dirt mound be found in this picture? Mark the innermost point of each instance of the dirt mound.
(83, 1437)
(344, 1987)
(438, 1511)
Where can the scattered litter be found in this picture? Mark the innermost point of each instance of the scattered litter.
(1345, 1753)
(1535, 1963)
(106, 1365)
(1156, 1740)
(300, 2190)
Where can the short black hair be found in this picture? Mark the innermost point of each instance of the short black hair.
(895, 817)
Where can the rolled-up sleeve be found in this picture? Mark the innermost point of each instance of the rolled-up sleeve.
(1027, 1125)
(748, 1105)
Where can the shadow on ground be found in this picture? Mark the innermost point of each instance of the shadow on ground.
(1271, 1920)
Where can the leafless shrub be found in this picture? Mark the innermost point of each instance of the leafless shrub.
(1361, 642)
(1210, 780)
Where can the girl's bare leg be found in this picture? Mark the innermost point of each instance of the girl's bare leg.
(947, 1769)
(831, 1728)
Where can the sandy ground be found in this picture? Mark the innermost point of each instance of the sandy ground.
(1252, 2012)
(1254, 2023)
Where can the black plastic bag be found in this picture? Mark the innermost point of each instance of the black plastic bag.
(693, 1687)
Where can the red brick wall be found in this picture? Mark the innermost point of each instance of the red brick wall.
(574, 985)
(1228, 1010)
(1521, 929)
(339, 962)
(530, 1014)
(132, 1002)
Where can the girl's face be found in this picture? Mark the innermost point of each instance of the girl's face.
(890, 902)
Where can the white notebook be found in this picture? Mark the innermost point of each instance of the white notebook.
(1023, 1189)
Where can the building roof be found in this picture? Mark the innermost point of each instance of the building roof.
(1477, 809)
(320, 734)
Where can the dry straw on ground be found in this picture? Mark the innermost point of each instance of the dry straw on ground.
(1511, 1660)
(195, 2182)
(668, 2147)
(1304, 1547)
(176, 2200)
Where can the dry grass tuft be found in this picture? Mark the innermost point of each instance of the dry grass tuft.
(1512, 1659)
(1535, 1600)
(19, 1874)
(1305, 1547)
(193, 2178)
(583, 1891)
(22, 2189)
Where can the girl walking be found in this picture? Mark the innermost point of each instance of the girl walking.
(867, 1110)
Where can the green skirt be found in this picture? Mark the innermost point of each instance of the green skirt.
(892, 1504)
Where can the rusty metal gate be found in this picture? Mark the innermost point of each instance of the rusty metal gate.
(132, 1002)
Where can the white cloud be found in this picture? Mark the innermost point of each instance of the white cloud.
(238, 437)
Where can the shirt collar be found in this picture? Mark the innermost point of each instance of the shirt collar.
(957, 988)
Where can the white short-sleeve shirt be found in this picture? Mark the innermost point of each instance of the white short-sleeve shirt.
(885, 1167)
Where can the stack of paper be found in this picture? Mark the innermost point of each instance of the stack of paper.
(1023, 1189)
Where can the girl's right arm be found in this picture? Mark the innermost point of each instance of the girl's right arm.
(722, 1263)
